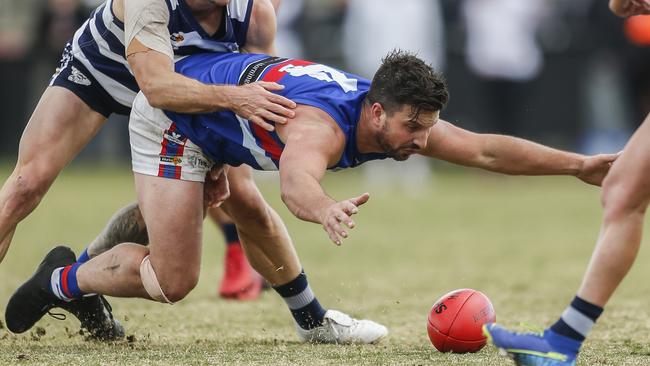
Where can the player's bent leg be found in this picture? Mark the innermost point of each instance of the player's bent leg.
(264, 237)
(61, 125)
(271, 252)
(174, 254)
(175, 232)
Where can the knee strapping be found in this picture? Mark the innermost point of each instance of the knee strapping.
(150, 282)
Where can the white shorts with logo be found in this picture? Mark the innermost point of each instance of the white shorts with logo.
(159, 149)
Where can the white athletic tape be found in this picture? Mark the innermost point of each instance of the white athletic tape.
(150, 282)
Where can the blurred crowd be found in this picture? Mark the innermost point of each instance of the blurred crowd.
(563, 72)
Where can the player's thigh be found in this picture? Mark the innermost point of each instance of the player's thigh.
(241, 179)
(61, 125)
(629, 178)
(246, 203)
(173, 212)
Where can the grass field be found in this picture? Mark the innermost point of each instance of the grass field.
(522, 241)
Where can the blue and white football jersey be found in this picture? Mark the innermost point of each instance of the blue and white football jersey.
(230, 139)
(99, 43)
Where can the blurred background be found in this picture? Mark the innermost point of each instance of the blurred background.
(562, 72)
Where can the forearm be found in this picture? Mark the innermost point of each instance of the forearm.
(177, 93)
(304, 197)
(511, 155)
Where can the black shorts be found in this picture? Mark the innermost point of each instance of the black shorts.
(73, 75)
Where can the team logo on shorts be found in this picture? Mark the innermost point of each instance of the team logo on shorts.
(78, 77)
(175, 138)
(198, 162)
(176, 160)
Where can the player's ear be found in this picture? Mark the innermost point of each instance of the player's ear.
(378, 115)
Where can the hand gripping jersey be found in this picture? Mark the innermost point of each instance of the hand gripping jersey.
(230, 139)
(99, 42)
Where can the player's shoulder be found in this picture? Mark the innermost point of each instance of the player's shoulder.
(260, 35)
(240, 9)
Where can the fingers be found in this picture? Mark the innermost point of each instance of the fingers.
(360, 200)
(261, 122)
(270, 86)
(278, 99)
(277, 106)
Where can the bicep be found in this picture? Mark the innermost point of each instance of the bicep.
(304, 156)
(262, 29)
(453, 144)
(145, 21)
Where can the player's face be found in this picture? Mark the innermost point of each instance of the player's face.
(402, 135)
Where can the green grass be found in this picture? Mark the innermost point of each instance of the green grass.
(522, 241)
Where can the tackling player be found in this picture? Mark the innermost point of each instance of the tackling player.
(123, 47)
(341, 121)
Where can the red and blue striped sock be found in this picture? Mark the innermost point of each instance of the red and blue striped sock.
(83, 257)
(64, 282)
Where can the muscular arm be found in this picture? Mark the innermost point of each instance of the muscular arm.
(511, 155)
(153, 69)
(261, 29)
(311, 145)
(314, 142)
(167, 89)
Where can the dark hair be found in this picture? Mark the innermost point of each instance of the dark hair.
(404, 79)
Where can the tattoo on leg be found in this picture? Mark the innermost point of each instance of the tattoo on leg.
(126, 226)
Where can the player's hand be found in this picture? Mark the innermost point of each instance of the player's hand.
(336, 219)
(626, 8)
(216, 189)
(595, 168)
(258, 103)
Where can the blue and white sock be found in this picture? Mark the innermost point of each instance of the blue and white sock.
(304, 306)
(577, 320)
(63, 282)
(83, 257)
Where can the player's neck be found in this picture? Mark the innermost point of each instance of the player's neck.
(366, 141)
(207, 13)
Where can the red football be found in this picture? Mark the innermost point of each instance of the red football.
(455, 321)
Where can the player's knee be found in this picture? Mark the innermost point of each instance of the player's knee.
(26, 188)
(169, 285)
(621, 197)
(177, 288)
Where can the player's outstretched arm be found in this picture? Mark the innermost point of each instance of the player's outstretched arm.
(626, 8)
(512, 155)
(310, 147)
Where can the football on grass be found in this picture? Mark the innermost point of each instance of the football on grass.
(455, 321)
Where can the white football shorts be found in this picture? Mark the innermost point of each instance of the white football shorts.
(159, 149)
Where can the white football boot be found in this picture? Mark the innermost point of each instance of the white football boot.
(340, 328)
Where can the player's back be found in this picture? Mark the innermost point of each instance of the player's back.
(230, 139)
